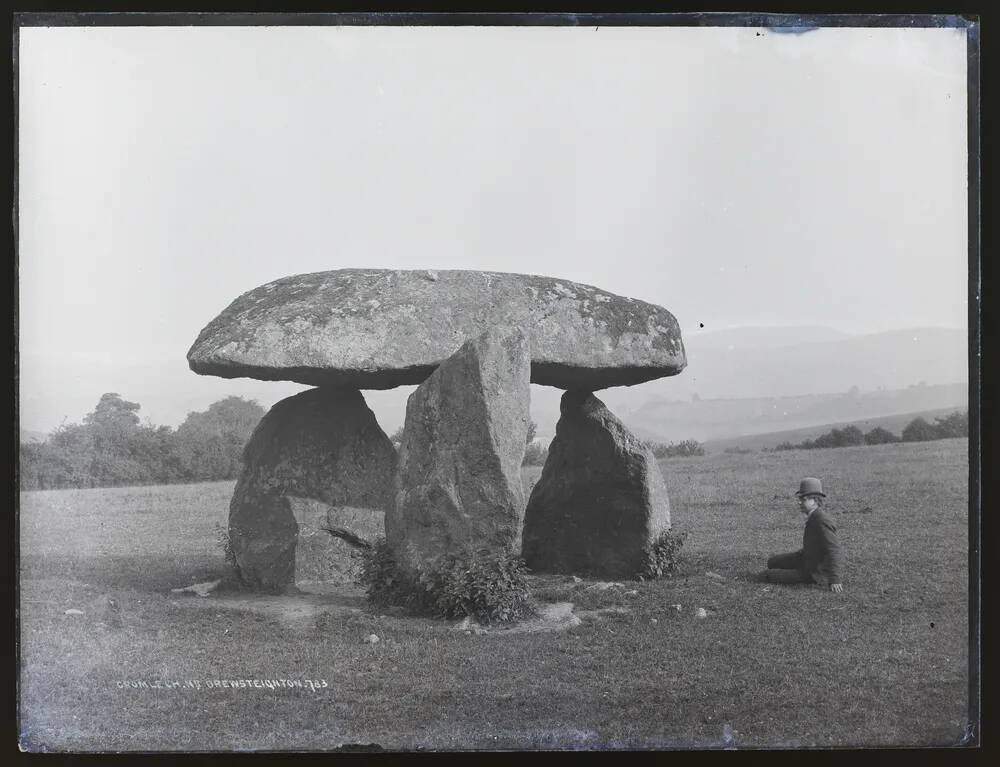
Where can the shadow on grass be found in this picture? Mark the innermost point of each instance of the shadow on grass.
(154, 574)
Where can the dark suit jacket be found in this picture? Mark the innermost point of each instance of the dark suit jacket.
(821, 555)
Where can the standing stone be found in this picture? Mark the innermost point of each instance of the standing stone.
(459, 482)
(600, 500)
(322, 444)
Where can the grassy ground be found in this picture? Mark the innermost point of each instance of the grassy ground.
(883, 663)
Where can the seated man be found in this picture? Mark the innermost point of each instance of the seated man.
(819, 560)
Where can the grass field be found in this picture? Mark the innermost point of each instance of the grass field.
(883, 663)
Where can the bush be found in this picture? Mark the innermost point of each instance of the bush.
(111, 448)
(785, 446)
(953, 425)
(918, 430)
(489, 587)
(846, 437)
(662, 555)
(379, 573)
(486, 586)
(880, 436)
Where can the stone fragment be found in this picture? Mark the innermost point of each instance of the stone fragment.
(199, 589)
(322, 444)
(600, 500)
(459, 481)
(377, 329)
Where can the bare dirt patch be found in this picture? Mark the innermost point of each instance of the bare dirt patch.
(299, 609)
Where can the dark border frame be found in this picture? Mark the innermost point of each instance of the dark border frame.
(789, 23)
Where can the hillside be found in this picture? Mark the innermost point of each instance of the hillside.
(715, 419)
(893, 423)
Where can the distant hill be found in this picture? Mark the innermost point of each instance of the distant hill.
(756, 362)
(762, 337)
(893, 423)
(717, 419)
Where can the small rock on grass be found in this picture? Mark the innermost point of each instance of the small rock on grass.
(201, 589)
(73, 611)
(710, 574)
(468, 625)
(372, 639)
(701, 612)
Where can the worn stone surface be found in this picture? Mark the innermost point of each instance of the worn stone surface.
(330, 539)
(459, 481)
(322, 444)
(376, 329)
(600, 499)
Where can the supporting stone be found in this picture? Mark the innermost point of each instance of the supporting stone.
(322, 444)
(459, 481)
(600, 500)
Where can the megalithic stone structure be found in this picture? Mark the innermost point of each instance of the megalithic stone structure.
(378, 328)
(322, 444)
(459, 482)
(600, 500)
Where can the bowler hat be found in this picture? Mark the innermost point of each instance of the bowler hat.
(811, 486)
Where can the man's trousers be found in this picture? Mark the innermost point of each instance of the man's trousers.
(787, 568)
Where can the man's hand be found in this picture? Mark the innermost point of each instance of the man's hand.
(836, 588)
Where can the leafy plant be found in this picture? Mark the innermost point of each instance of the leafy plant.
(662, 555)
(490, 587)
(224, 542)
(384, 581)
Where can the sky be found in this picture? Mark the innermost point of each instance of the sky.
(735, 176)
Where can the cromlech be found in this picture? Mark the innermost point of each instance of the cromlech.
(319, 463)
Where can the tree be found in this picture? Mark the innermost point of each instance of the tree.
(918, 430)
(880, 436)
(113, 412)
(953, 425)
(849, 435)
(210, 443)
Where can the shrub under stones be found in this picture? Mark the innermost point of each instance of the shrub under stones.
(662, 555)
(489, 587)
